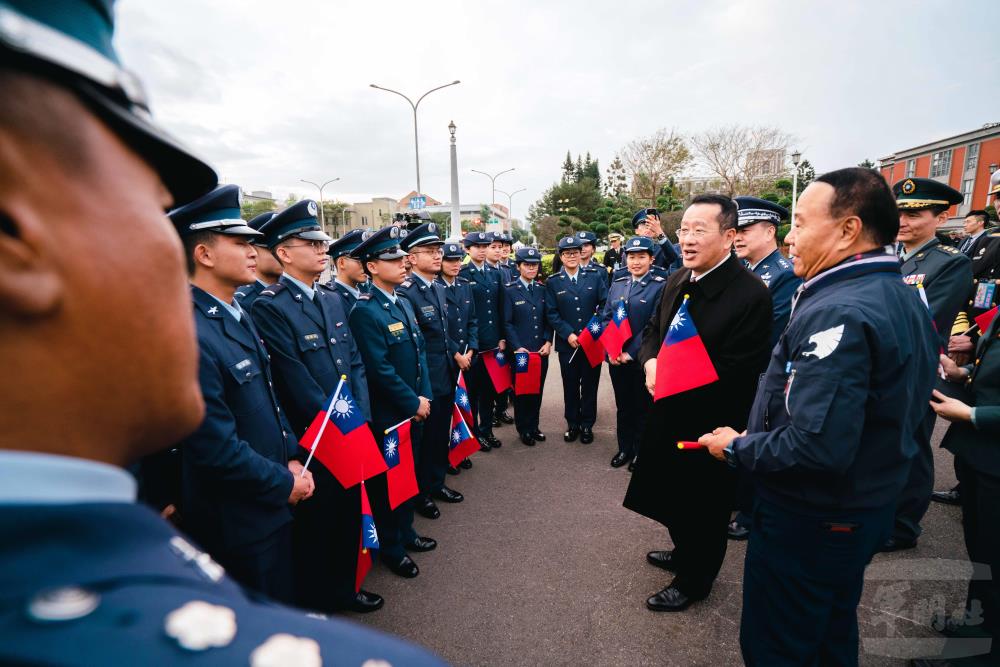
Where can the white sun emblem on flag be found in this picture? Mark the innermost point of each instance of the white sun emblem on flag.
(678, 321)
(522, 361)
(343, 409)
(620, 313)
(595, 328)
(463, 399)
(456, 436)
(500, 357)
(372, 534)
(390, 447)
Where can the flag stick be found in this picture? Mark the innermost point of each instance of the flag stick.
(393, 428)
(329, 411)
(573, 355)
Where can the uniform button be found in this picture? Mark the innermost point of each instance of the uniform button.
(338, 361)
(249, 374)
(277, 409)
(284, 435)
(460, 330)
(333, 340)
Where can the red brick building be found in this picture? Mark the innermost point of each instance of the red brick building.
(965, 162)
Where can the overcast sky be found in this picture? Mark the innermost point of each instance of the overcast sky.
(273, 92)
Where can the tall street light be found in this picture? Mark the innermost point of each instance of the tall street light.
(456, 209)
(796, 157)
(493, 182)
(416, 141)
(510, 202)
(322, 219)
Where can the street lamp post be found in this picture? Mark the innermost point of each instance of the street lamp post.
(456, 209)
(510, 202)
(796, 157)
(416, 140)
(322, 219)
(493, 183)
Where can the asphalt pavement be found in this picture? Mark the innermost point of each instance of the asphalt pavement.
(541, 565)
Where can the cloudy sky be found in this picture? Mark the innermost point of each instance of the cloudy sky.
(273, 92)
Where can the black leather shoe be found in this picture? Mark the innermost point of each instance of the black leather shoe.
(662, 559)
(405, 567)
(631, 465)
(452, 470)
(737, 531)
(426, 508)
(538, 436)
(619, 460)
(496, 422)
(484, 443)
(448, 495)
(586, 436)
(571, 434)
(466, 463)
(420, 544)
(365, 602)
(504, 417)
(527, 439)
(669, 599)
(894, 544)
(492, 441)
(947, 497)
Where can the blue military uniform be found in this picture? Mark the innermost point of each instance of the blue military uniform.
(306, 331)
(830, 439)
(570, 303)
(487, 295)
(344, 246)
(779, 276)
(527, 328)
(430, 304)
(640, 296)
(395, 358)
(247, 294)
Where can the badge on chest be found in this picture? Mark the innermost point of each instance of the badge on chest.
(914, 278)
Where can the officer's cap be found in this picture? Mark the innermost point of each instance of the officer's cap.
(257, 222)
(995, 183)
(570, 243)
(217, 211)
(425, 234)
(638, 244)
(297, 221)
(505, 238)
(453, 251)
(382, 244)
(615, 236)
(478, 238)
(914, 194)
(754, 209)
(640, 216)
(346, 243)
(528, 256)
(587, 237)
(69, 42)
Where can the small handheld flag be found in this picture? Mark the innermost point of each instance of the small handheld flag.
(462, 399)
(618, 331)
(683, 362)
(498, 369)
(461, 443)
(527, 373)
(589, 341)
(368, 542)
(397, 450)
(985, 319)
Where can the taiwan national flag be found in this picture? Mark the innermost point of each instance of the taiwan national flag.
(462, 399)
(589, 340)
(341, 440)
(617, 332)
(368, 542)
(498, 368)
(984, 320)
(683, 361)
(397, 450)
(462, 443)
(527, 373)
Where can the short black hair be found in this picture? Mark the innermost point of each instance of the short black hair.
(728, 209)
(864, 193)
(192, 241)
(981, 214)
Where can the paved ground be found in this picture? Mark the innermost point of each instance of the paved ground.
(541, 565)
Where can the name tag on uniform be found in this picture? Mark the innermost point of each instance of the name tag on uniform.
(984, 295)
(519, 303)
(396, 327)
(561, 292)
(427, 309)
(243, 364)
(914, 279)
(311, 336)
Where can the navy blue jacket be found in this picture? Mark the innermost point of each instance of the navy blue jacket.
(247, 294)
(463, 327)
(393, 351)
(569, 307)
(508, 272)
(345, 294)
(832, 426)
(139, 570)
(486, 293)
(430, 306)
(524, 318)
(235, 480)
(641, 301)
(779, 276)
(311, 346)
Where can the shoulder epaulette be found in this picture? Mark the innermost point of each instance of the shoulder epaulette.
(622, 278)
(273, 290)
(460, 279)
(659, 279)
(406, 283)
(512, 283)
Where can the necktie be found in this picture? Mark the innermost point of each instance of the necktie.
(573, 280)
(966, 245)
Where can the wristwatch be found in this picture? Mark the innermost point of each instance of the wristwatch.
(730, 455)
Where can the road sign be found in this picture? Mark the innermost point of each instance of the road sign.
(418, 202)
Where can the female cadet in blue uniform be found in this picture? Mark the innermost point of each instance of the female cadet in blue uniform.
(463, 328)
(393, 350)
(311, 346)
(640, 290)
(238, 469)
(430, 304)
(572, 298)
(486, 292)
(527, 330)
(87, 575)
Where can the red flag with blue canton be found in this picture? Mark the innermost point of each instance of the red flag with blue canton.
(346, 448)
(496, 365)
(462, 443)
(617, 332)
(683, 362)
(527, 373)
(589, 340)
(368, 542)
(397, 450)
(462, 399)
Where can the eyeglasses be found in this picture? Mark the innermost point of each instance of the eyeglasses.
(696, 233)
(318, 246)
(432, 253)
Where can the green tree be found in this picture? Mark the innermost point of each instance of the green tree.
(568, 169)
(333, 215)
(783, 185)
(547, 230)
(251, 209)
(866, 164)
(443, 221)
(806, 174)
(616, 180)
(291, 199)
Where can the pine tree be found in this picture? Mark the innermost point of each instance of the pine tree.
(568, 170)
(578, 170)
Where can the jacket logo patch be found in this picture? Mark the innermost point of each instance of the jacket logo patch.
(825, 341)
